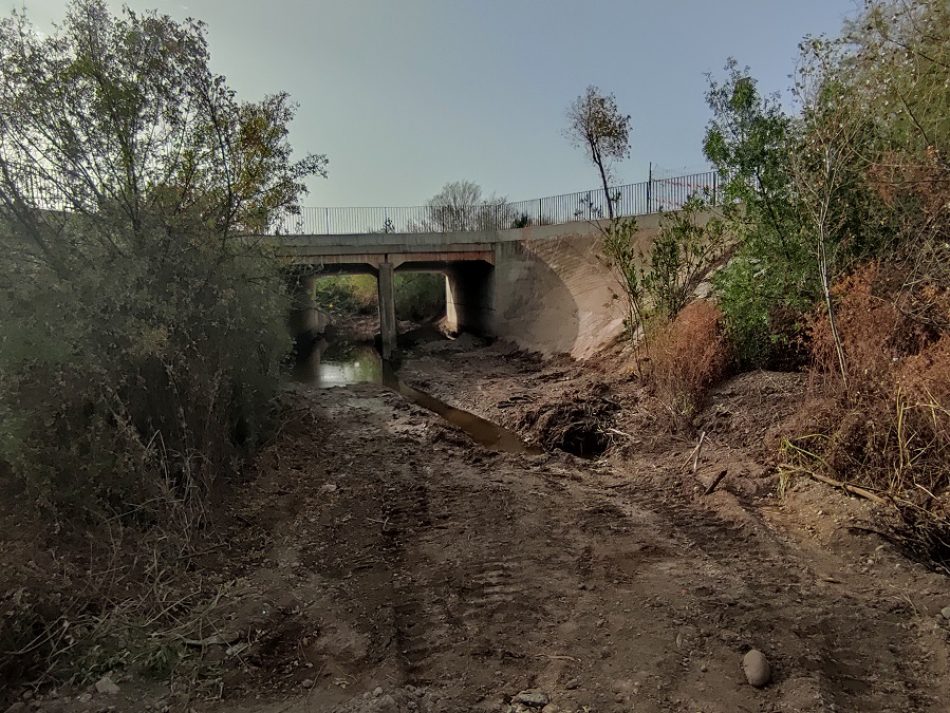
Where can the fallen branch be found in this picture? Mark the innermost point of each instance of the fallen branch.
(716, 481)
(698, 450)
(848, 488)
(556, 657)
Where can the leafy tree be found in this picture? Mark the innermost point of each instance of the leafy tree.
(596, 125)
(861, 172)
(141, 331)
(750, 141)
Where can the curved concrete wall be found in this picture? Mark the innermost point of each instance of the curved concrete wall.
(553, 292)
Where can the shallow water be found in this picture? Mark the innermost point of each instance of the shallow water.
(342, 363)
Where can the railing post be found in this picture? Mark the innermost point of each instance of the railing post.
(649, 188)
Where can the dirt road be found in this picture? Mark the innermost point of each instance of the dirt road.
(452, 578)
(380, 561)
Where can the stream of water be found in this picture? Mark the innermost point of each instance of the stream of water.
(341, 363)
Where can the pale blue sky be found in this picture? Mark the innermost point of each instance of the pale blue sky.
(404, 95)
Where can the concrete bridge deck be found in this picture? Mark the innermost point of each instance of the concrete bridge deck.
(544, 285)
(546, 288)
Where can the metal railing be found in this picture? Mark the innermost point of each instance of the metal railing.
(658, 194)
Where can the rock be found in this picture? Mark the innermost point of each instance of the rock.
(106, 686)
(572, 684)
(307, 683)
(84, 697)
(756, 667)
(386, 704)
(945, 612)
(377, 692)
(550, 708)
(532, 697)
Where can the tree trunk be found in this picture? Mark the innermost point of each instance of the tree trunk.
(603, 179)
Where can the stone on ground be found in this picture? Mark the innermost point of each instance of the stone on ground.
(756, 667)
(106, 686)
(532, 697)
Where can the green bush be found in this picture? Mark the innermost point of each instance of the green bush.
(140, 379)
(347, 294)
(141, 333)
(419, 295)
(658, 284)
(859, 174)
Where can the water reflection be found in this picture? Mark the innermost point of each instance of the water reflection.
(341, 363)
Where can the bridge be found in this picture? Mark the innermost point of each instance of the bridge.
(530, 271)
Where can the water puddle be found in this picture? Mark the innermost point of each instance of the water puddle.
(341, 363)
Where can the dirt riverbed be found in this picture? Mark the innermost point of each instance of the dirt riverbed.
(378, 560)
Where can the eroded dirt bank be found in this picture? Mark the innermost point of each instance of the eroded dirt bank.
(380, 561)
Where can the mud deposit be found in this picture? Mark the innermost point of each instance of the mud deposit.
(379, 560)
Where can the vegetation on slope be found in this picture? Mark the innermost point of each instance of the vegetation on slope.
(141, 334)
(840, 215)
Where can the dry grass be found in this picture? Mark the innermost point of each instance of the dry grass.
(686, 358)
(889, 430)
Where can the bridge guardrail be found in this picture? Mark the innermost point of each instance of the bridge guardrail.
(632, 199)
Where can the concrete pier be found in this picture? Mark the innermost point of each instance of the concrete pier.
(387, 308)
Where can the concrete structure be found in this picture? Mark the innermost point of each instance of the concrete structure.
(544, 287)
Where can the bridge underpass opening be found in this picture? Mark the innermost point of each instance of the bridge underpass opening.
(462, 294)
(470, 297)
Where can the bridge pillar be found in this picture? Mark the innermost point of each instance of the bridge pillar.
(387, 308)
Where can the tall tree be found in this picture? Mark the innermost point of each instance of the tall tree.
(130, 299)
(119, 120)
(596, 125)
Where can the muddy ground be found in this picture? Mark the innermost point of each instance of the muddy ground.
(378, 560)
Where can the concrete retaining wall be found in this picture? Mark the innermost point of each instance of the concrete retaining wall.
(552, 291)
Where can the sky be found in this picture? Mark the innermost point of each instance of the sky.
(405, 95)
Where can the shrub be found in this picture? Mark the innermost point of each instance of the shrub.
(347, 294)
(687, 356)
(141, 333)
(889, 429)
(875, 332)
(419, 295)
(136, 385)
(658, 283)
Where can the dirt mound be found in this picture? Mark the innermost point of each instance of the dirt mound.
(581, 427)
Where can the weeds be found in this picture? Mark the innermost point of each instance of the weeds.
(688, 356)
(889, 431)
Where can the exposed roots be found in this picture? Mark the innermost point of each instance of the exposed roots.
(582, 428)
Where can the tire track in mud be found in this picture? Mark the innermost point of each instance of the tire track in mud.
(486, 557)
(467, 591)
(840, 639)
